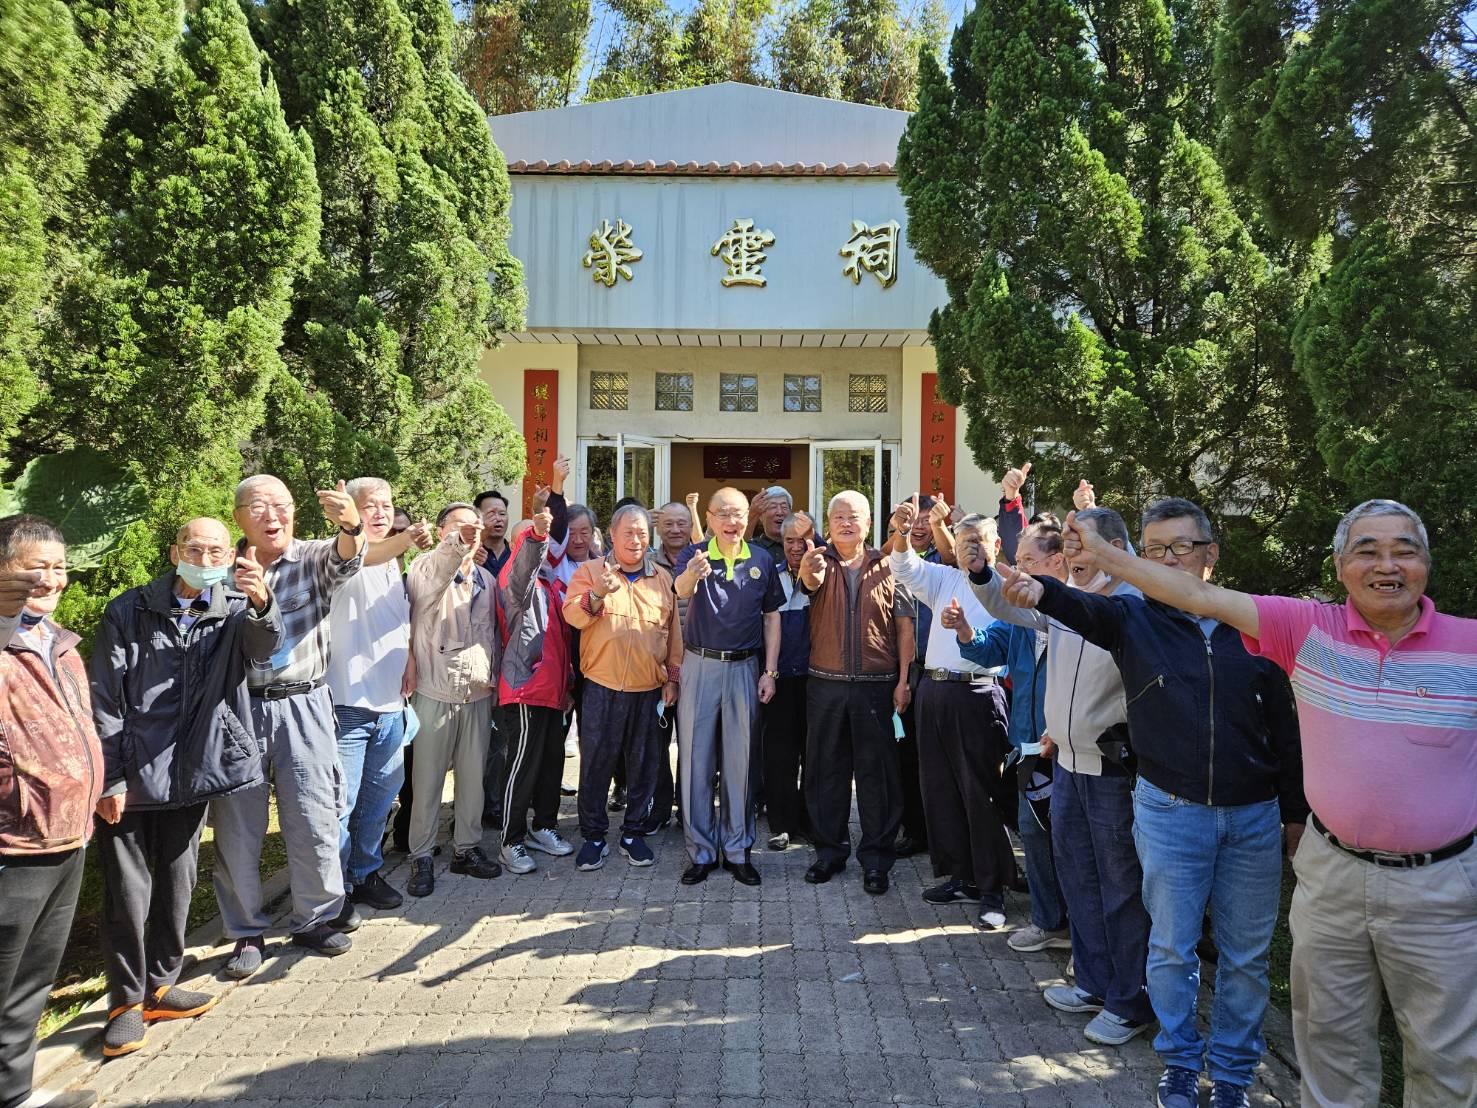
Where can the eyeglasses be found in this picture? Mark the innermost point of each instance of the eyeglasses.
(205, 555)
(730, 513)
(260, 509)
(1179, 548)
(1027, 563)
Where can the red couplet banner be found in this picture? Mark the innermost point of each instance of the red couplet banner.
(540, 430)
(936, 442)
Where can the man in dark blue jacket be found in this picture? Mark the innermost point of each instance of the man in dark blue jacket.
(1215, 735)
(173, 712)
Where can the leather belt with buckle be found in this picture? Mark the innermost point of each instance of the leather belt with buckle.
(957, 675)
(283, 691)
(1390, 860)
(723, 655)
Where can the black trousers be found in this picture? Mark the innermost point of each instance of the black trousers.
(38, 897)
(617, 727)
(400, 826)
(535, 748)
(665, 793)
(962, 743)
(915, 821)
(784, 755)
(495, 773)
(851, 736)
(148, 862)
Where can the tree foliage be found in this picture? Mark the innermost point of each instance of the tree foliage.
(522, 55)
(1110, 313)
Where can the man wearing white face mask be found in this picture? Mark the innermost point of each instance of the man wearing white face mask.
(1091, 805)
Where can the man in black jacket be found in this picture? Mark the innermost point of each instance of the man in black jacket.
(1215, 735)
(173, 712)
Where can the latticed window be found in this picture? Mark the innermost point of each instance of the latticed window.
(738, 392)
(867, 392)
(674, 392)
(610, 392)
(802, 392)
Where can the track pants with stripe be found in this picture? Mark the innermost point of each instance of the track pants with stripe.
(535, 738)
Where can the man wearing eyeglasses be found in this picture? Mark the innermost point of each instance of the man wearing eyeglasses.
(1215, 735)
(292, 716)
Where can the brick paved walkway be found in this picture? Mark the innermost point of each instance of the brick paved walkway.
(623, 987)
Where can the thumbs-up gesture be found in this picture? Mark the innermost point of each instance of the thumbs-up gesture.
(904, 515)
(608, 583)
(422, 535)
(1078, 538)
(541, 494)
(812, 565)
(471, 534)
(938, 515)
(1020, 589)
(16, 587)
(954, 619)
(542, 521)
(1011, 483)
(1083, 496)
(561, 473)
(698, 565)
(339, 507)
(251, 578)
(691, 500)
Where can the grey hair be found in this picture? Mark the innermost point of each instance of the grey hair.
(844, 494)
(1109, 525)
(250, 484)
(798, 517)
(985, 525)
(580, 511)
(19, 531)
(1373, 508)
(781, 493)
(363, 486)
(455, 505)
(670, 504)
(629, 510)
(1174, 507)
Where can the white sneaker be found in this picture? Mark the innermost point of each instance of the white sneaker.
(780, 841)
(1031, 938)
(571, 747)
(1069, 998)
(516, 859)
(549, 841)
(992, 920)
(1111, 1030)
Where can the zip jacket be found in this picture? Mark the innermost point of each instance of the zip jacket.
(51, 764)
(632, 642)
(1208, 721)
(1019, 649)
(535, 638)
(172, 707)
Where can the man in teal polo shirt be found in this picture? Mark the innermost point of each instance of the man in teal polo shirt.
(734, 597)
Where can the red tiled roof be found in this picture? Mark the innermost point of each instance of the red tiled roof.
(708, 169)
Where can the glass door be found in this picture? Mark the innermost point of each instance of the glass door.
(630, 465)
(865, 465)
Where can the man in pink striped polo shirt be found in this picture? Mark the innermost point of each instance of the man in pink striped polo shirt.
(1387, 886)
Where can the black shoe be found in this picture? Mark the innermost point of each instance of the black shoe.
(474, 863)
(422, 877)
(743, 872)
(324, 939)
(697, 872)
(376, 892)
(565, 790)
(907, 846)
(348, 918)
(617, 799)
(874, 881)
(950, 891)
(821, 872)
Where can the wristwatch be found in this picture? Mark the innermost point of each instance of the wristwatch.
(352, 532)
(772, 673)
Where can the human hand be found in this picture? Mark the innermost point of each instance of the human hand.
(699, 566)
(407, 679)
(561, 474)
(421, 535)
(904, 515)
(250, 579)
(758, 504)
(669, 693)
(766, 688)
(902, 696)
(541, 495)
(609, 582)
(1078, 539)
(953, 617)
(471, 534)
(691, 500)
(938, 515)
(479, 555)
(813, 561)
(110, 808)
(1020, 589)
(542, 521)
(16, 587)
(339, 507)
(1048, 747)
(1084, 496)
(1010, 484)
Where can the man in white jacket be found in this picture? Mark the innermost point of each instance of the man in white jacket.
(1091, 806)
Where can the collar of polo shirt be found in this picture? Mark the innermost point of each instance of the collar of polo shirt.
(716, 555)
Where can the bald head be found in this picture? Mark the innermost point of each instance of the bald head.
(728, 517)
(263, 485)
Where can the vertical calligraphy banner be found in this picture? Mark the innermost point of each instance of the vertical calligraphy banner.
(936, 442)
(540, 430)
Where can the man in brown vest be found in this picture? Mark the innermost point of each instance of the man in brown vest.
(861, 625)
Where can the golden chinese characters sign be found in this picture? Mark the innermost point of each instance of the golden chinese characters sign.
(873, 249)
(540, 430)
(936, 441)
(742, 250)
(611, 252)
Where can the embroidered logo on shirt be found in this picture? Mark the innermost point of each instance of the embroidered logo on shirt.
(754, 572)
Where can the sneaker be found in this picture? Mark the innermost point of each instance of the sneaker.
(1179, 1088)
(422, 877)
(1069, 998)
(324, 939)
(247, 958)
(617, 799)
(950, 891)
(375, 892)
(125, 1031)
(571, 747)
(474, 863)
(1111, 1030)
(780, 841)
(516, 860)
(637, 852)
(592, 854)
(549, 841)
(1225, 1095)
(1031, 938)
(992, 920)
(170, 1002)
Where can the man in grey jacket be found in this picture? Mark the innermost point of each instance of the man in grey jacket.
(173, 712)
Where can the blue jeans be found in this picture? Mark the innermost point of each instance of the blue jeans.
(1047, 910)
(1098, 868)
(1231, 858)
(370, 749)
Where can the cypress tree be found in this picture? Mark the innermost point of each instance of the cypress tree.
(1109, 313)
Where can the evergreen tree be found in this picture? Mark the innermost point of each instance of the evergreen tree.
(521, 55)
(1109, 313)
(806, 54)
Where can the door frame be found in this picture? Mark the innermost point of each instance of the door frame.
(879, 447)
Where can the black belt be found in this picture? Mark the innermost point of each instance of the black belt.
(1395, 861)
(959, 675)
(283, 691)
(724, 655)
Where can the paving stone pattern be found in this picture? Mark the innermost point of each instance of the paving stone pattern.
(624, 987)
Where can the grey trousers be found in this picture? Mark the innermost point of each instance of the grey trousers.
(711, 687)
(300, 748)
(452, 737)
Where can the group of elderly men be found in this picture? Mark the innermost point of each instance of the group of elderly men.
(1152, 707)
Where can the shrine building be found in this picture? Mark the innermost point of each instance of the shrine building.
(720, 292)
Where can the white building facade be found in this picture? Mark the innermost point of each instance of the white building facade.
(721, 293)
